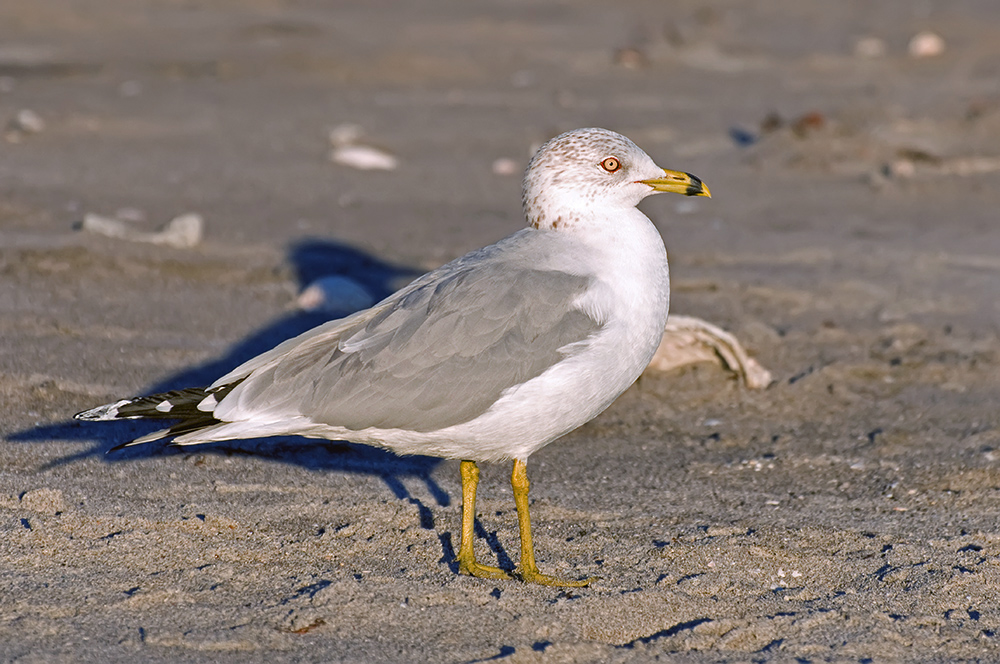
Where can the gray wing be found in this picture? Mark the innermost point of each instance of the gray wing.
(438, 355)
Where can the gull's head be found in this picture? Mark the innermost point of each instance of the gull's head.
(588, 172)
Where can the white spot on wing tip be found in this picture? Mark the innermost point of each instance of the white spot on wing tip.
(101, 413)
(112, 410)
(164, 406)
(208, 404)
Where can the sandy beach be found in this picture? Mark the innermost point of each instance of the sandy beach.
(850, 512)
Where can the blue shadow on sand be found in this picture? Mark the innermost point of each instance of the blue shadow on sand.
(311, 259)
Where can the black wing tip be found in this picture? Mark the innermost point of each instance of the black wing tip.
(107, 412)
(135, 442)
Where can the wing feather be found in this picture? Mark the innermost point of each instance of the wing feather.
(439, 353)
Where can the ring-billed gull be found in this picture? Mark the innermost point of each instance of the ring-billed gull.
(487, 358)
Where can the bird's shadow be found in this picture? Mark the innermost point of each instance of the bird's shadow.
(311, 259)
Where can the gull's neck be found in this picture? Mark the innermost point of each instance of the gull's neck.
(597, 222)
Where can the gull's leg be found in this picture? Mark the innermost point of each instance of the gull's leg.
(466, 556)
(528, 570)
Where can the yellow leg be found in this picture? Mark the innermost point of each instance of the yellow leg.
(528, 570)
(466, 556)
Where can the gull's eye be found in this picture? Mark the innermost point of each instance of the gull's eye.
(611, 164)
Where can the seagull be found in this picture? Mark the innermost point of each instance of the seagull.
(487, 358)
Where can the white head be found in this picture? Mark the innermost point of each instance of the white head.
(593, 171)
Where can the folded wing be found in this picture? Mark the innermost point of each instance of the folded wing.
(439, 353)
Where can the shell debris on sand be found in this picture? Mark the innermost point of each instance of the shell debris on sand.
(349, 150)
(689, 340)
(926, 45)
(24, 123)
(631, 58)
(181, 232)
(915, 165)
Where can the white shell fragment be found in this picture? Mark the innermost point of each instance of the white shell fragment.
(364, 158)
(906, 169)
(926, 45)
(505, 166)
(180, 232)
(25, 123)
(183, 231)
(28, 121)
(335, 294)
(688, 340)
(350, 151)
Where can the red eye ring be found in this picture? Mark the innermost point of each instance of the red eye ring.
(611, 164)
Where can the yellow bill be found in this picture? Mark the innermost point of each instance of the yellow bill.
(678, 182)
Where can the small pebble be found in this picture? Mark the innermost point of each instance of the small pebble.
(771, 122)
(808, 123)
(24, 123)
(902, 168)
(505, 166)
(28, 121)
(364, 158)
(335, 294)
(870, 47)
(631, 58)
(743, 137)
(926, 45)
(349, 151)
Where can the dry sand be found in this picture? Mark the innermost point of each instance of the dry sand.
(851, 512)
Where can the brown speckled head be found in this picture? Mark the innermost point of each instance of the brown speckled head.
(582, 171)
